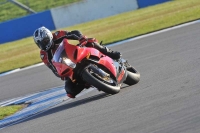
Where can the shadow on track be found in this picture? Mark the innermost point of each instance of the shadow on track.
(66, 106)
(70, 104)
(73, 104)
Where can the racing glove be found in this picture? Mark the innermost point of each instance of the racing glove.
(83, 40)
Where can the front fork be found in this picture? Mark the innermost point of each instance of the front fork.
(122, 70)
(99, 71)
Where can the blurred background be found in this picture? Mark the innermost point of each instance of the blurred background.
(11, 9)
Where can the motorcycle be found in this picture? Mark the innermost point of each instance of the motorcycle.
(91, 68)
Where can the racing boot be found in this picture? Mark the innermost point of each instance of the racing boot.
(112, 54)
(105, 50)
(72, 89)
(92, 42)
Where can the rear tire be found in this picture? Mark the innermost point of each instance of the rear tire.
(91, 79)
(133, 76)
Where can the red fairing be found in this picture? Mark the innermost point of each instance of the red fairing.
(70, 50)
(63, 70)
(76, 54)
(108, 62)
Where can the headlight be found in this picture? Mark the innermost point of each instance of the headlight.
(69, 62)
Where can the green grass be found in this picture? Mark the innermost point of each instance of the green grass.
(9, 110)
(24, 52)
(11, 11)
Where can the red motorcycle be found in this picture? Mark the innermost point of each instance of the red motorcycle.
(89, 67)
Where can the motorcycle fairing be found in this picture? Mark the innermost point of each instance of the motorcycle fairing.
(62, 69)
(77, 54)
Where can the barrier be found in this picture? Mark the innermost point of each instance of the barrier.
(25, 26)
(145, 3)
(88, 10)
(76, 13)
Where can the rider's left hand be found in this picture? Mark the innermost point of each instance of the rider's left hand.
(83, 40)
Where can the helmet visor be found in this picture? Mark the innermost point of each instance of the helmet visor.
(45, 44)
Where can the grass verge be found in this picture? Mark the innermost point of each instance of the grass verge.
(9, 110)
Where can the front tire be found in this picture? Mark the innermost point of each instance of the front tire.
(96, 82)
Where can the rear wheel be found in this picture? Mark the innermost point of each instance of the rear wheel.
(133, 76)
(106, 84)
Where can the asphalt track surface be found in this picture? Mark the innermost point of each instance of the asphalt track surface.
(166, 100)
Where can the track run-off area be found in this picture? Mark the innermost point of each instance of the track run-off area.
(166, 100)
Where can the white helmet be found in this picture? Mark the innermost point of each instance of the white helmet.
(43, 38)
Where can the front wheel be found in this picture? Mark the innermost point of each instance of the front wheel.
(107, 85)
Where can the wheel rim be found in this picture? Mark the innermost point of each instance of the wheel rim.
(107, 80)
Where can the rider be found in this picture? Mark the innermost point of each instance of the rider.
(48, 43)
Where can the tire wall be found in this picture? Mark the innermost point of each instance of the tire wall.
(76, 13)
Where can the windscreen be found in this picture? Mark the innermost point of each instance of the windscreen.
(60, 53)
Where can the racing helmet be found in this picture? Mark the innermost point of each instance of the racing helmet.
(43, 38)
